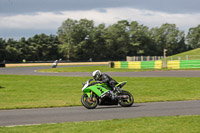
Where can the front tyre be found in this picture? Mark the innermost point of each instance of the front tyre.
(128, 101)
(89, 104)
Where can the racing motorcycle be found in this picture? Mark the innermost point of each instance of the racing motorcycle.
(97, 93)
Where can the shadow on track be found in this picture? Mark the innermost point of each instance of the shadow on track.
(116, 106)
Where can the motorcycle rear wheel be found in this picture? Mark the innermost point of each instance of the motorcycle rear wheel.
(126, 102)
(87, 103)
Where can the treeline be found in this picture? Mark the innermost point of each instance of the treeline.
(37, 48)
(82, 40)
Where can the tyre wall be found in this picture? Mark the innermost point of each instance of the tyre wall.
(175, 64)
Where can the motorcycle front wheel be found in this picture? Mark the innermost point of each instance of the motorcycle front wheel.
(87, 103)
(126, 102)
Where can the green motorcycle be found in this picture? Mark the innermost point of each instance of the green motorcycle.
(97, 93)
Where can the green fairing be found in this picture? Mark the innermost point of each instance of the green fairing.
(121, 83)
(98, 89)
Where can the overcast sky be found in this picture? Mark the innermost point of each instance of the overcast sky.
(25, 18)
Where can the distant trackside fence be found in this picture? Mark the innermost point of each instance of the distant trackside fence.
(181, 64)
(138, 64)
(176, 64)
(153, 58)
(158, 62)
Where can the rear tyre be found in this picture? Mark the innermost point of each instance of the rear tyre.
(127, 102)
(87, 103)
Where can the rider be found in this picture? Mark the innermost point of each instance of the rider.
(104, 78)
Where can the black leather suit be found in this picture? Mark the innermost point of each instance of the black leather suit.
(108, 80)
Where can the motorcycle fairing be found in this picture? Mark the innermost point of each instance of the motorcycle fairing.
(121, 84)
(98, 89)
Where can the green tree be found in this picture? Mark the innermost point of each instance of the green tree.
(72, 34)
(12, 52)
(23, 49)
(140, 40)
(117, 41)
(97, 43)
(81, 40)
(42, 47)
(169, 37)
(2, 49)
(193, 37)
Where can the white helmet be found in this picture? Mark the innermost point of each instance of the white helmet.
(96, 74)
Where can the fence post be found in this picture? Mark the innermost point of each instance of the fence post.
(127, 58)
(187, 57)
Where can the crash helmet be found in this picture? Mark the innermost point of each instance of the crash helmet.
(96, 74)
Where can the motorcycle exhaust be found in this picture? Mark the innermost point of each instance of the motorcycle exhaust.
(123, 97)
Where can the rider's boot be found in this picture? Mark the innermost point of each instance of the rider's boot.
(112, 95)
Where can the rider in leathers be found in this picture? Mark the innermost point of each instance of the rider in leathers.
(104, 78)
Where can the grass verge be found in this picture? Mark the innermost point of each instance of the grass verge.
(18, 91)
(166, 124)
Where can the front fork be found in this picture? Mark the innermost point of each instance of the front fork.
(91, 94)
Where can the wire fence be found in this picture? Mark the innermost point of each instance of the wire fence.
(154, 58)
(185, 57)
(143, 58)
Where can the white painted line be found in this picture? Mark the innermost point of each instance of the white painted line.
(44, 72)
(27, 125)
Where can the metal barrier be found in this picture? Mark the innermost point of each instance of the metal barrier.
(183, 64)
(138, 64)
(175, 64)
(153, 58)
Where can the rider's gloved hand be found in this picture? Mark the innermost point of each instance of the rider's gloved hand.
(116, 89)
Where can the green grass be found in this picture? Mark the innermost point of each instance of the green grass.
(103, 69)
(192, 55)
(190, 52)
(17, 91)
(166, 124)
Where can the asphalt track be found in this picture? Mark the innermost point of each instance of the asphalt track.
(71, 114)
(32, 71)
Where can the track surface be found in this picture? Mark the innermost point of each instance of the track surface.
(32, 71)
(71, 114)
